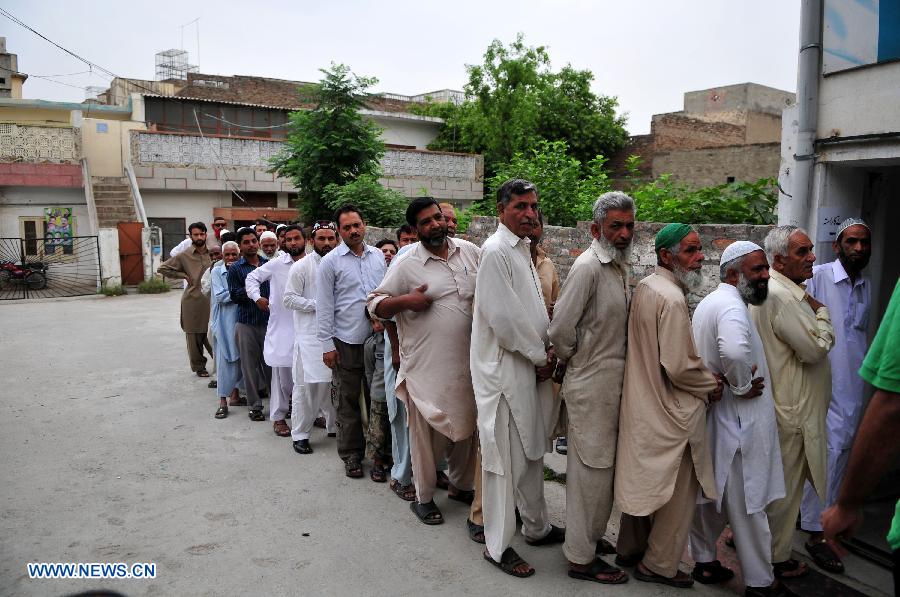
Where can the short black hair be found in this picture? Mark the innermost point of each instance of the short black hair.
(242, 232)
(290, 227)
(406, 229)
(198, 225)
(514, 186)
(347, 208)
(417, 205)
(386, 241)
(226, 236)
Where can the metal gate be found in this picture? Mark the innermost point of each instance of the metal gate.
(49, 267)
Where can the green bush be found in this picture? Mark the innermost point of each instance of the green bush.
(153, 286)
(380, 206)
(116, 290)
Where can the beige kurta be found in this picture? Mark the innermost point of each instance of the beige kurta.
(796, 342)
(590, 331)
(509, 338)
(664, 399)
(434, 344)
(194, 304)
(548, 276)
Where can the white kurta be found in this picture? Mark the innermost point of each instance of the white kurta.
(729, 345)
(278, 350)
(300, 298)
(509, 338)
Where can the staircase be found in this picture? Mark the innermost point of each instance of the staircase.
(112, 196)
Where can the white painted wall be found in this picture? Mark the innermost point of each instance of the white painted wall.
(110, 266)
(860, 102)
(193, 206)
(401, 132)
(31, 201)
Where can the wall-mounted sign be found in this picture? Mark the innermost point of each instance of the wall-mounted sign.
(860, 32)
(102, 127)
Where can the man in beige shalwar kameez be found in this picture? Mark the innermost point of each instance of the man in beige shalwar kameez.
(429, 292)
(663, 456)
(589, 332)
(797, 334)
(189, 265)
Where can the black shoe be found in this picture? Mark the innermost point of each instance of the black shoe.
(301, 446)
(212, 384)
(256, 415)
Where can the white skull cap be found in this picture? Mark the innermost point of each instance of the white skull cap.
(737, 249)
(847, 223)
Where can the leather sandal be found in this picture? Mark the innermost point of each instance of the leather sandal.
(222, 412)
(509, 561)
(281, 429)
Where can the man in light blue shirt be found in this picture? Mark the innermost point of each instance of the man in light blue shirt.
(841, 287)
(345, 277)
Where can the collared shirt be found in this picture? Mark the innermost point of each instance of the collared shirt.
(342, 283)
(248, 312)
(796, 341)
(509, 338)
(664, 398)
(729, 345)
(439, 386)
(278, 350)
(590, 331)
(850, 302)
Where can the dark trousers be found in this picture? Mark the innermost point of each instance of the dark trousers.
(195, 345)
(250, 339)
(349, 376)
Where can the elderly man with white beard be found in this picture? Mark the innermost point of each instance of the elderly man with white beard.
(742, 429)
(590, 332)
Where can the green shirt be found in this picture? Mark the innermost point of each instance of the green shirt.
(881, 368)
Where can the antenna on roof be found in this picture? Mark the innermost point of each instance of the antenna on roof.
(195, 22)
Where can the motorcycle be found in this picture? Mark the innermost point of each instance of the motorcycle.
(33, 275)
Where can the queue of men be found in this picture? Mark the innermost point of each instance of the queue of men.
(741, 414)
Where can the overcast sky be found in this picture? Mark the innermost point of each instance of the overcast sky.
(645, 52)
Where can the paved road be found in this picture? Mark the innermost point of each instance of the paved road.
(110, 453)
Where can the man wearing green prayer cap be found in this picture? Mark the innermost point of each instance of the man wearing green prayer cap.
(663, 457)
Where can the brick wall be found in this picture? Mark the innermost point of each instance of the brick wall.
(712, 166)
(677, 131)
(41, 175)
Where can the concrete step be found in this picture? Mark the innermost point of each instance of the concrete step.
(111, 195)
(111, 189)
(109, 180)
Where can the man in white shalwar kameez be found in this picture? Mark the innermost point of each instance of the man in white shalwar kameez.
(742, 429)
(278, 350)
(511, 364)
(312, 378)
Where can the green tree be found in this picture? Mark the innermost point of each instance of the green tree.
(514, 100)
(332, 144)
(567, 188)
(379, 206)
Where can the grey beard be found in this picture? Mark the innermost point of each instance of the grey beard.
(621, 256)
(691, 280)
(752, 295)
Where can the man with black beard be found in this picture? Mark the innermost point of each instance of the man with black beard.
(742, 429)
(430, 293)
(842, 287)
(189, 266)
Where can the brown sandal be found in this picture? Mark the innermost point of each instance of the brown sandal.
(281, 429)
(378, 473)
(404, 492)
(352, 468)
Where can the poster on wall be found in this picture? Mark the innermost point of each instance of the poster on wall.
(860, 32)
(59, 227)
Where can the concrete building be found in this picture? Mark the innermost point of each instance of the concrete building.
(840, 155)
(11, 79)
(724, 134)
(167, 153)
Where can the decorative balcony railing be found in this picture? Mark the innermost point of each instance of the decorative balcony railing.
(39, 144)
(170, 149)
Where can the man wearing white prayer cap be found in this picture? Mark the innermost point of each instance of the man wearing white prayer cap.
(742, 429)
(842, 287)
(268, 244)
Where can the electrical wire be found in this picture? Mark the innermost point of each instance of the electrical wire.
(221, 164)
(241, 126)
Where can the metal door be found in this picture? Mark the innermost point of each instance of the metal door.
(131, 257)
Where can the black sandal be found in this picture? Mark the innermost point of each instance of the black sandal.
(427, 513)
(378, 473)
(404, 492)
(256, 415)
(824, 557)
(222, 412)
(709, 573)
(682, 582)
(464, 496)
(508, 562)
(596, 567)
(353, 468)
(556, 535)
(476, 531)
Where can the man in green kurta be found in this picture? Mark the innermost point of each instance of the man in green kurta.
(189, 265)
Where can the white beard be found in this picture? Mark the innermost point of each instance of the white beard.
(620, 256)
(690, 279)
